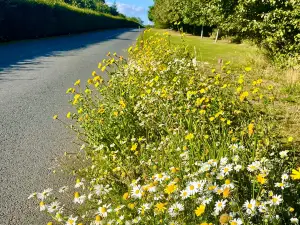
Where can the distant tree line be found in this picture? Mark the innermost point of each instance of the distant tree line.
(272, 24)
(24, 19)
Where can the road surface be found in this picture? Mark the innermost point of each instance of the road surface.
(34, 76)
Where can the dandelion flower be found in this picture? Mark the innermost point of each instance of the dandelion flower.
(170, 188)
(189, 137)
(296, 174)
(160, 207)
(200, 210)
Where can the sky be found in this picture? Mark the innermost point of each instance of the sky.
(137, 8)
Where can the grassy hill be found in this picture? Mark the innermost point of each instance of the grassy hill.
(21, 19)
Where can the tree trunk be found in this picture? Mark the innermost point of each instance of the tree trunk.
(202, 32)
(217, 36)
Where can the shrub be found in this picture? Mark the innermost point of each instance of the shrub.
(173, 142)
(39, 18)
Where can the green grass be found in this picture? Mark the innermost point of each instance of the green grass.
(286, 82)
(209, 51)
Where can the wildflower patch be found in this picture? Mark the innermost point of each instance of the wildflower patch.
(172, 142)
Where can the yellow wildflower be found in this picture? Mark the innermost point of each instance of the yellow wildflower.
(170, 189)
(134, 147)
(68, 115)
(261, 178)
(248, 69)
(296, 174)
(50, 223)
(251, 128)
(77, 83)
(126, 196)
(55, 117)
(122, 103)
(200, 210)
(160, 207)
(98, 218)
(226, 192)
(131, 205)
(189, 137)
(244, 95)
(290, 139)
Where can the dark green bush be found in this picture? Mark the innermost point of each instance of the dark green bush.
(39, 18)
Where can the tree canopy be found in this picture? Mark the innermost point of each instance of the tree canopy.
(272, 24)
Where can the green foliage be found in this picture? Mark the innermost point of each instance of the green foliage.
(41, 18)
(272, 25)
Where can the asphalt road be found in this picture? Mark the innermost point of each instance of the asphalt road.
(34, 76)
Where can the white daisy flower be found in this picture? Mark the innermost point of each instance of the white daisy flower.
(280, 185)
(33, 195)
(235, 158)
(219, 206)
(160, 177)
(79, 199)
(206, 200)
(237, 221)
(262, 207)
(71, 220)
(237, 168)
(63, 189)
(253, 166)
(294, 221)
(79, 183)
(223, 161)
(104, 210)
(175, 209)
(276, 200)
(101, 189)
(184, 194)
(285, 177)
(250, 206)
(283, 154)
(136, 220)
(43, 195)
(137, 192)
(43, 206)
(192, 188)
(54, 206)
(118, 208)
(226, 169)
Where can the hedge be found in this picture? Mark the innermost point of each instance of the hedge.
(40, 18)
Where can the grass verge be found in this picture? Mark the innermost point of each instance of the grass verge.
(172, 141)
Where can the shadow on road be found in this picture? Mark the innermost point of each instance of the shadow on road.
(23, 54)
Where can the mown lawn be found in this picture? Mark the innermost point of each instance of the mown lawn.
(286, 82)
(209, 51)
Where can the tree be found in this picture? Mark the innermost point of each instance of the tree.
(114, 9)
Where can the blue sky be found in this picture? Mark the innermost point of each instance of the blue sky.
(137, 8)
